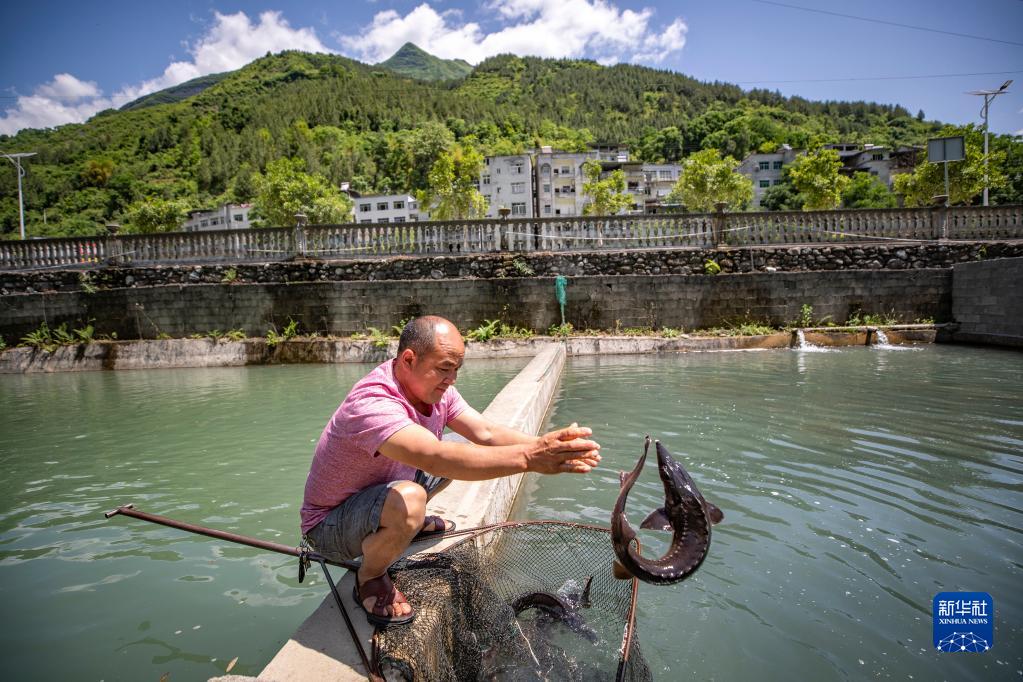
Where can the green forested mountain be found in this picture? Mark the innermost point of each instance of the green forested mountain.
(381, 131)
(413, 62)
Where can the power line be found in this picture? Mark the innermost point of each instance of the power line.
(888, 23)
(881, 78)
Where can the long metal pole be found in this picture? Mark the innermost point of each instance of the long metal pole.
(21, 205)
(987, 100)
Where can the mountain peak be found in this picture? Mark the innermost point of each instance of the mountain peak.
(414, 62)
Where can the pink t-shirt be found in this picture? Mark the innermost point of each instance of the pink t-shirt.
(347, 458)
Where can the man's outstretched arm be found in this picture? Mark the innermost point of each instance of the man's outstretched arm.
(474, 427)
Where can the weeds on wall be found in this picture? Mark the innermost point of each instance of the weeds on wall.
(496, 329)
(273, 337)
(86, 282)
(50, 340)
(230, 276)
(711, 267)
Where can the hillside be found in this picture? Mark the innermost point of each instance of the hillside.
(381, 131)
(176, 93)
(413, 62)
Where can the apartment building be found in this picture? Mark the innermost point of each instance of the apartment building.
(881, 162)
(507, 182)
(559, 182)
(386, 208)
(765, 170)
(227, 217)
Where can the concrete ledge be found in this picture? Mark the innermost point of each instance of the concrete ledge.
(321, 649)
(177, 353)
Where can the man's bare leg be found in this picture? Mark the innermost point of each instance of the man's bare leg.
(400, 520)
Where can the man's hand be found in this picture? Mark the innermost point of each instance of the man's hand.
(566, 450)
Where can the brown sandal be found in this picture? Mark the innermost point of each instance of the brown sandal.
(384, 594)
(440, 527)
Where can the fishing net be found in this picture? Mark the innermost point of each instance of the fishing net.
(467, 597)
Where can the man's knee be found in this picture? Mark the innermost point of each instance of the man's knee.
(405, 506)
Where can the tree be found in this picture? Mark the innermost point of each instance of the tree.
(607, 196)
(867, 191)
(816, 176)
(451, 192)
(97, 172)
(706, 179)
(286, 189)
(965, 178)
(155, 214)
(782, 197)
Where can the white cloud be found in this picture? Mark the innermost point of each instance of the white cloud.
(230, 43)
(569, 28)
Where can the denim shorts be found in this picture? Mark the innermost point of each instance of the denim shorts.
(339, 536)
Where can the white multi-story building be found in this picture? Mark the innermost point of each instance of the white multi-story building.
(386, 208)
(507, 182)
(765, 170)
(227, 217)
(559, 182)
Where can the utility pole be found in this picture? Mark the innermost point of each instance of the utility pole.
(988, 95)
(16, 158)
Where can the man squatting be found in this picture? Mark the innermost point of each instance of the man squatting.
(381, 457)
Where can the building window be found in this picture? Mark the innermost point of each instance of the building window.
(204, 223)
(382, 206)
(518, 188)
(765, 183)
(664, 174)
(547, 189)
(398, 219)
(565, 170)
(399, 204)
(877, 157)
(765, 165)
(518, 209)
(546, 209)
(545, 170)
(238, 217)
(517, 169)
(365, 220)
(485, 179)
(364, 208)
(383, 220)
(777, 182)
(776, 165)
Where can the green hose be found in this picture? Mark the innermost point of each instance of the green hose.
(560, 290)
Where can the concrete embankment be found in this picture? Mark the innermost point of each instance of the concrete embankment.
(321, 649)
(178, 353)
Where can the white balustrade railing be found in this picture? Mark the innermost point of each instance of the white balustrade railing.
(454, 238)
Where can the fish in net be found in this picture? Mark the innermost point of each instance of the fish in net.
(516, 601)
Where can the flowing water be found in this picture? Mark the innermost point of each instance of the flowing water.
(83, 598)
(856, 484)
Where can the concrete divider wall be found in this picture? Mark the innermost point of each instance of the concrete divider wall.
(321, 648)
(599, 302)
(988, 302)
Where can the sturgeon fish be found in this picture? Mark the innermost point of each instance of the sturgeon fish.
(556, 607)
(685, 512)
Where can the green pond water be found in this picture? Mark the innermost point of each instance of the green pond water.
(84, 598)
(856, 484)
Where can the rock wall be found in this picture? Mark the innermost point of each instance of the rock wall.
(593, 263)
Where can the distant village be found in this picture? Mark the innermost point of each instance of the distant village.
(547, 183)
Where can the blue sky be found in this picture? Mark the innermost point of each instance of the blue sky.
(64, 61)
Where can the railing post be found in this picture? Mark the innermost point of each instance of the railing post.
(718, 223)
(299, 238)
(939, 220)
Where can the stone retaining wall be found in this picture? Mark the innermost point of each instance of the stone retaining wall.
(988, 302)
(896, 256)
(606, 302)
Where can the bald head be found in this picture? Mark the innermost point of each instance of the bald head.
(422, 334)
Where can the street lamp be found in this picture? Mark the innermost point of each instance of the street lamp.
(16, 160)
(988, 95)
